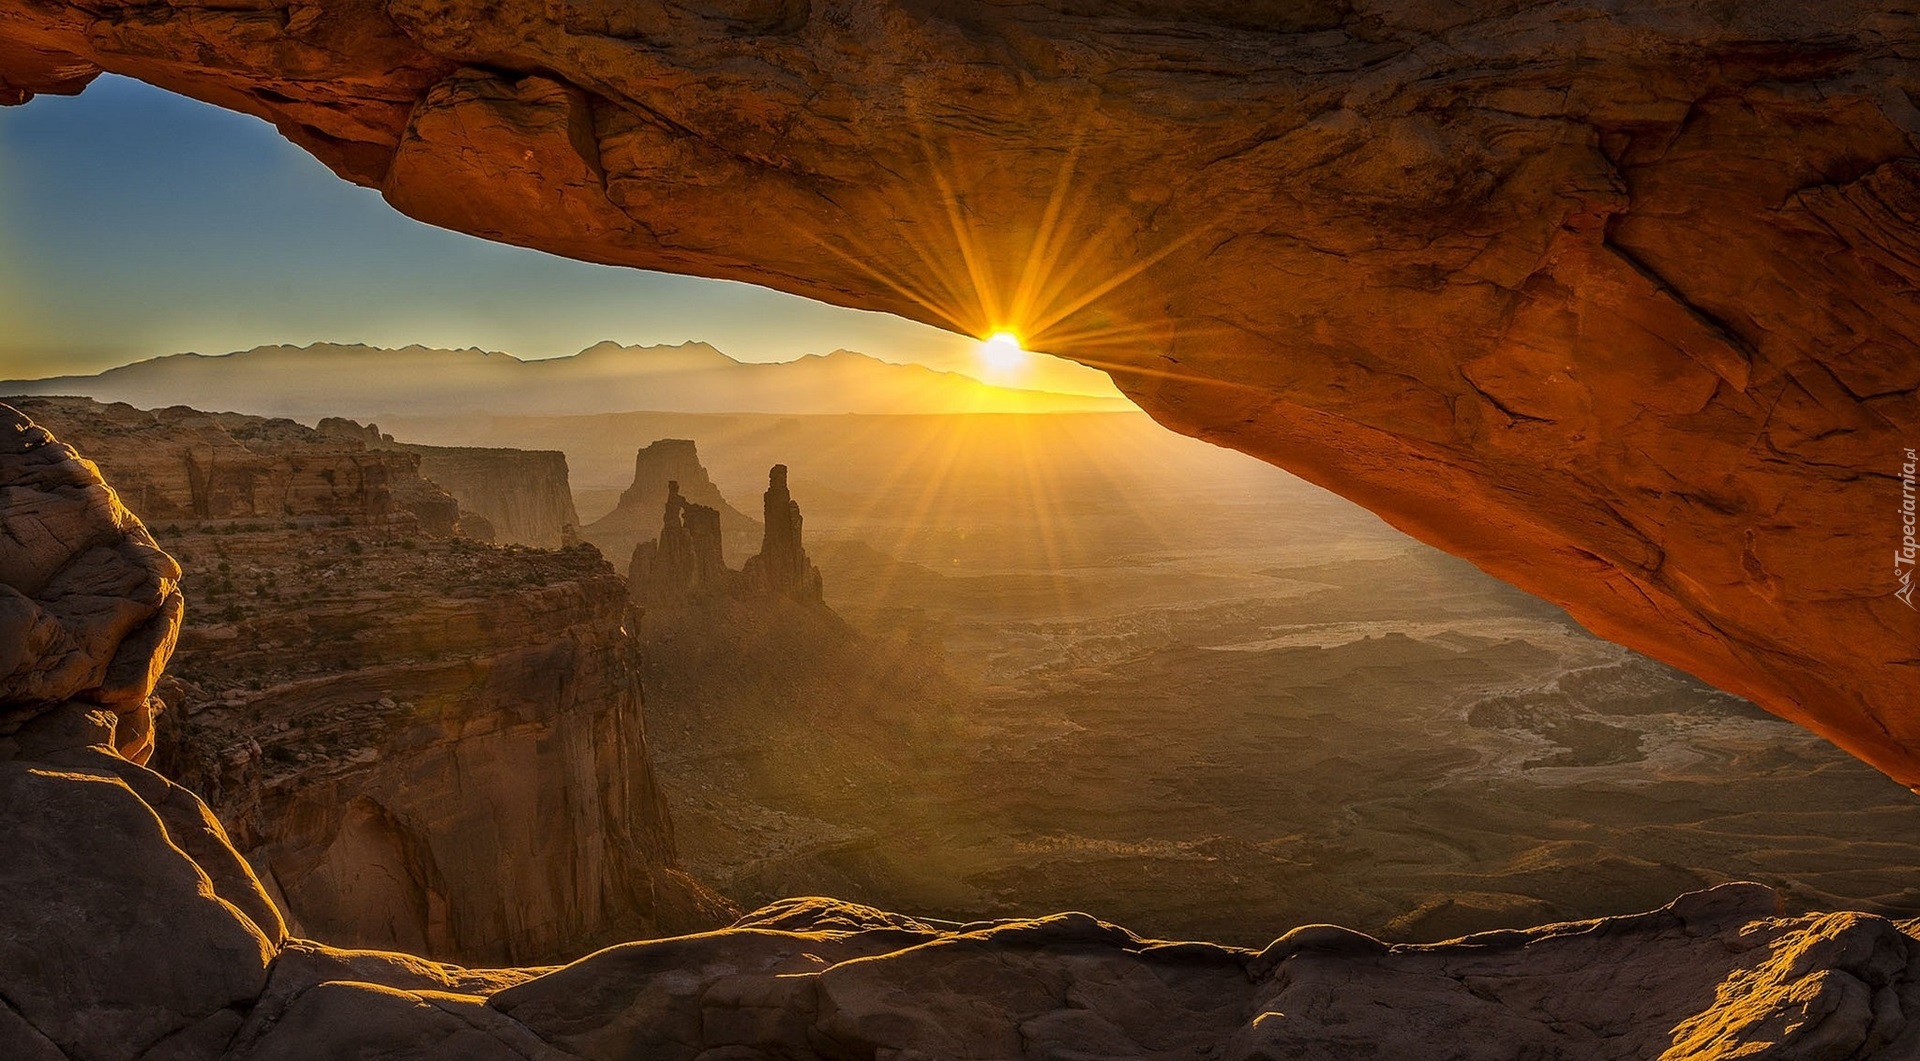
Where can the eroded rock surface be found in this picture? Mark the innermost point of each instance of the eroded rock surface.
(636, 518)
(89, 605)
(684, 563)
(524, 495)
(1716, 974)
(782, 566)
(421, 743)
(1613, 302)
(685, 560)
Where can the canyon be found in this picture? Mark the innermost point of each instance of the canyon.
(418, 741)
(202, 965)
(522, 497)
(1059, 647)
(1610, 303)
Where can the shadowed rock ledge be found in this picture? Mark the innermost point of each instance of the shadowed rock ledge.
(197, 967)
(1612, 300)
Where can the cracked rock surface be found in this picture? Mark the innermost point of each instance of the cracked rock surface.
(1614, 301)
(89, 606)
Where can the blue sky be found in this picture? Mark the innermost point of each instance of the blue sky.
(135, 223)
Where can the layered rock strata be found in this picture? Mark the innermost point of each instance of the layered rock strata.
(181, 464)
(419, 743)
(513, 496)
(633, 520)
(1612, 301)
(524, 495)
(439, 749)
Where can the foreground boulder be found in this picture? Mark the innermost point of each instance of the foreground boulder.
(196, 968)
(1613, 301)
(89, 605)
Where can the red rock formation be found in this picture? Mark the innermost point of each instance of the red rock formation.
(182, 464)
(781, 567)
(423, 493)
(684, 562)
(1614, 302)
(523, 495)
(443, 751)
(89, 604)
(634, 518)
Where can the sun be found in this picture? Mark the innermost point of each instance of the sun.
(1002, 352)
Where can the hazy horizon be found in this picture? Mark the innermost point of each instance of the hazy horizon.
(141, 224)
(981, 374)
(320, 380)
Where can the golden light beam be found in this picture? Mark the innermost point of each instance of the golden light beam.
(1059, 265)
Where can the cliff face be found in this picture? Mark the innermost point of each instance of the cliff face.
(1614, 303)
(637, 516)
(453, 762)
(514, 496)
(524, 495)
(422, 743)
(183, 464)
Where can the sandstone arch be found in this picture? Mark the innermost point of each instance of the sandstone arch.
(1615, 302)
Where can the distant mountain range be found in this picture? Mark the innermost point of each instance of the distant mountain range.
(328, 379)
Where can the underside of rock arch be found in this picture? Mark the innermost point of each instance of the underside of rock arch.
(1618, 302)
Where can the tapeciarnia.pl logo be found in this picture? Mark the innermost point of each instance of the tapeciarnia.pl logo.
(1903, 557)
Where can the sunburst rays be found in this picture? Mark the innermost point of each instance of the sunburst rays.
(974, 248)
(984, 241)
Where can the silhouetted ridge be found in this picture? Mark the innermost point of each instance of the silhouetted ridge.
(636, 518)
(684, 562)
